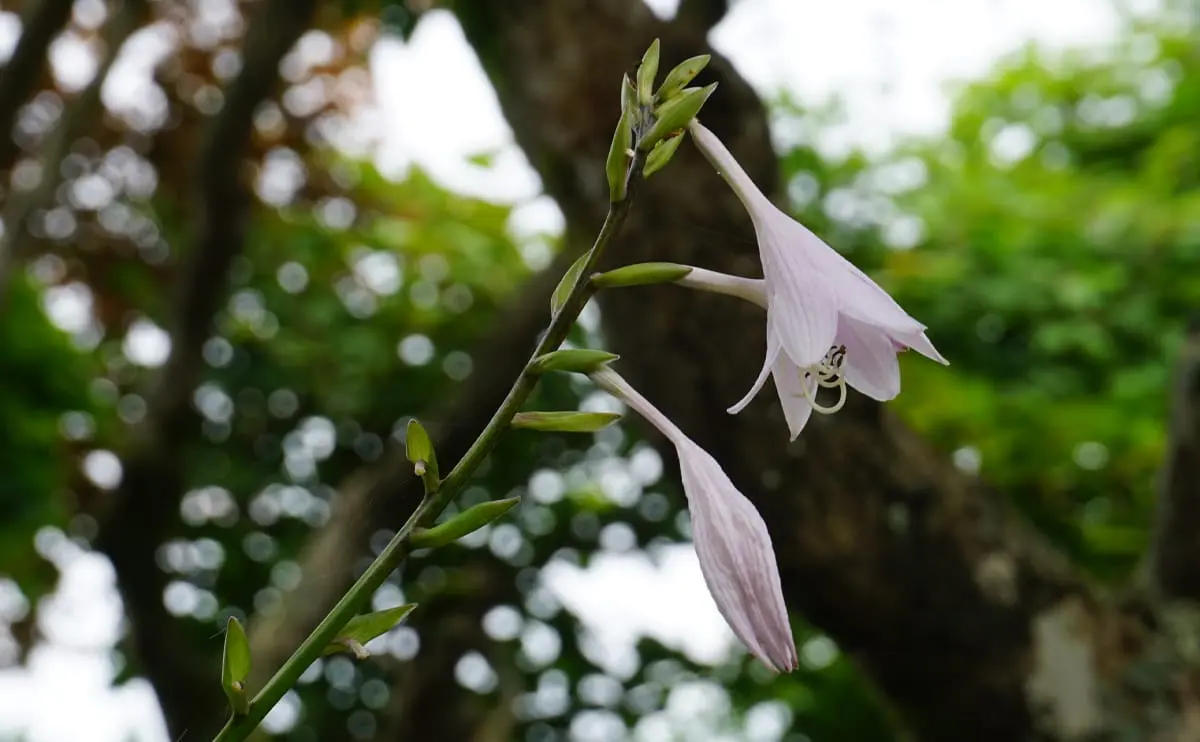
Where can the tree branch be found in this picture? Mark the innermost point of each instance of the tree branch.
(82, 112)
(146, 503)
(704, 13)
(1176, 556)
(41, 22)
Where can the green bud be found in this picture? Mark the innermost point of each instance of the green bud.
(617, 166)
(235, 666)
(468, 521)
(574, 360)
(362, 629)
(640, 274)
(565, 422)
(677, 78)
(661, 155)
(646, 73)
(419, 449)
(566, 283)
(676, 114)
(629, 96)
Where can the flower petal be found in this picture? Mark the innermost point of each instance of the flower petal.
(728, 167)
(613, 383)
(773, 349)
(796, 407)
(737, 559)
(919, 342)
(871, 366)
(857, 294)
(799, 297)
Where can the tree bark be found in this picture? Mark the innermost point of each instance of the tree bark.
(41, 22)
(1176, 556)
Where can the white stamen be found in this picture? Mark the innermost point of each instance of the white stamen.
(829, 375)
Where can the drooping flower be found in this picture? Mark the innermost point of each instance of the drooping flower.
(730, 537)
(828, 323)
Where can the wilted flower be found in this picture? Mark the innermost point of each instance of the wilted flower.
(731, 540)
(828, 323)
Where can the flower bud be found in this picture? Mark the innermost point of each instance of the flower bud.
(419, 450)
(646, 73)
(679, 77)
(731, 539)
(617, 165)
(661, 154)
(676, 114)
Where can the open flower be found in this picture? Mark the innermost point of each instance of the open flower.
(731, 540)
(828, 323)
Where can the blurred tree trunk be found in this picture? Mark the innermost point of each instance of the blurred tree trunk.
(41, 21)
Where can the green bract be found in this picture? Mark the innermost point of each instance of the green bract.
(576, 360)
(565, 422)
(362, 629)
(640, 274)
(468, 521)
(235, 666)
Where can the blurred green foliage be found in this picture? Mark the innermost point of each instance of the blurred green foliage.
(1050, 240)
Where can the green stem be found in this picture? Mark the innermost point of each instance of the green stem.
(239, 728)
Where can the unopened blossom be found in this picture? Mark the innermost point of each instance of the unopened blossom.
(828, 323)
(731, 540)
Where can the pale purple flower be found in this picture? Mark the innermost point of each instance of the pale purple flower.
(828, 323)
(731, 540)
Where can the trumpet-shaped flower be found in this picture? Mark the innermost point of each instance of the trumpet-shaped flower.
(828, 323)
(731, 540)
